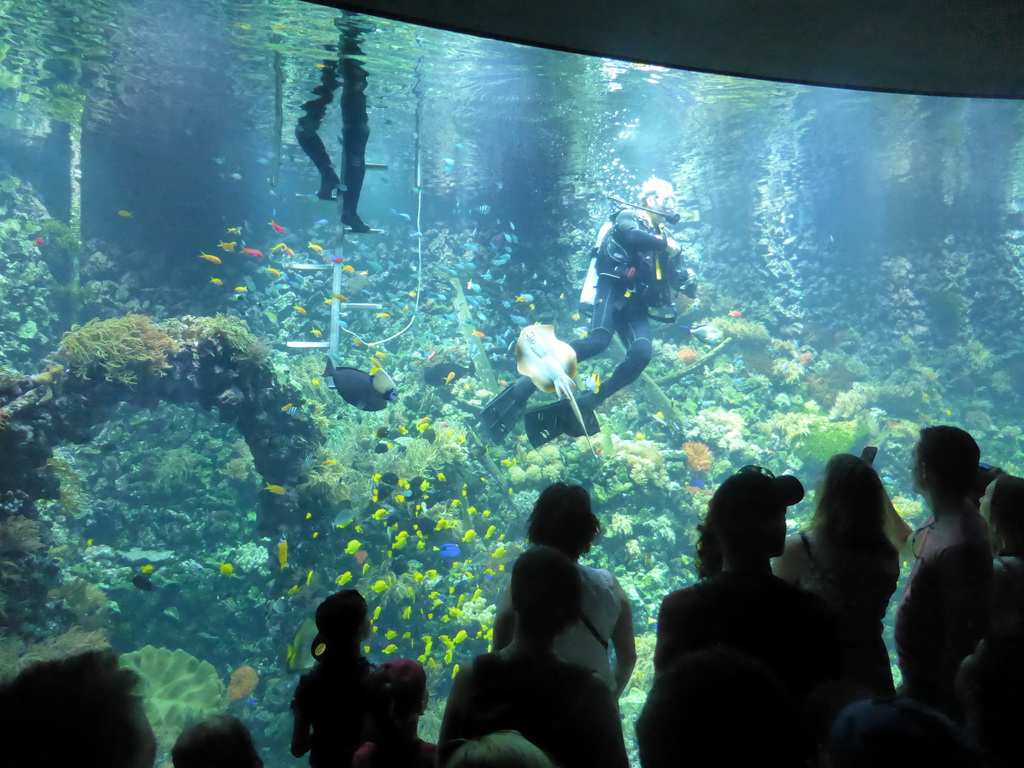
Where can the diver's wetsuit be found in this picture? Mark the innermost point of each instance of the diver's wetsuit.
(355, 126)
(634, 274)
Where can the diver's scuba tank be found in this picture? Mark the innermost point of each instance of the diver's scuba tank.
(588, 295)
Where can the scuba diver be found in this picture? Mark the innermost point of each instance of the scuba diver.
(636, 266)
(355, 126)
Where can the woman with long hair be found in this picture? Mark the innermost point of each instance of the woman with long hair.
(848, 557)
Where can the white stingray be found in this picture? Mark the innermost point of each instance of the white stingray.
(550, 364)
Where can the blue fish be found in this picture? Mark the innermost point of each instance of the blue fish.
(320, 222)
(449, 550)
(697, 483)
(519, 319)
(375, 264)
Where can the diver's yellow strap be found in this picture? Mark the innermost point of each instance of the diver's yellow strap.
(657, 267)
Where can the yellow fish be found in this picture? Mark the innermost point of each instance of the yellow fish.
(209, 257)
(316, 382)
(216, 281)
(235, 231)
(227, 246)
(348, 269)
(273, 271)
(379, 586)
(286, 407)
(380, 514)
(340, 297)
(449, 377)
(316, 247)
(344, 579)
(309, 578)
(469, 535)
(353, 547)
(279, 247)
(317, 333)
(282, 553)
(490, 532)
(241, 289)
(391, 648)
(441, 477)
(148, 568)
(299, 309)
(383, 314)
(126, 214)
(226, 569)
(278, 489)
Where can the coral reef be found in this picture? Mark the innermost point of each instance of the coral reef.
(16, 654)
(120, 349)
(177, 688)
(827, 438)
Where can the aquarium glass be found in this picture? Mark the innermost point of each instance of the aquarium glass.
(175, 475)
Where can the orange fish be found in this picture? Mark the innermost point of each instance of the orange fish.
(273, 271)
(805, 358)
(216, 281)
(278, 228)
(340, 296)
(299, 309)
(480, 334)
(209, 257)
(361, 555)
(735, 313)
(253, 252)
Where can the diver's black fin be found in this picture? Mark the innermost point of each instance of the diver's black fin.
(500, 416)
(546, 423)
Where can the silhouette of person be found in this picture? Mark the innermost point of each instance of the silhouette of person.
(846, 558)
(946, 606)
(563, 708)
(563, 518)
(740, 604)
(330, 701)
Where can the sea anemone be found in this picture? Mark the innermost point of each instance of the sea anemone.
(243, 682)
(698, 456)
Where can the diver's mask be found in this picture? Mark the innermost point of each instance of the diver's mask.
(665, 206)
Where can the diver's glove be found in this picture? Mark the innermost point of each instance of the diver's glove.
(686, 279)
(672, 246)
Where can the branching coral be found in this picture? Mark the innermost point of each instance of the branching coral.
(698, 456)
(87, 602)
(16, 655)
(119, 348)
(19, 537)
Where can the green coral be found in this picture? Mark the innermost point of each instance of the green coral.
(230, 331)
(741, 329)
(827, 438)
(178, 689)
(119, 348)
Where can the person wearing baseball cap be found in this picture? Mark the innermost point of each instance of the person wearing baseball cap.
(739, 603)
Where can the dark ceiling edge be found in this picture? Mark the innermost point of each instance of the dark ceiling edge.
(419, 19)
